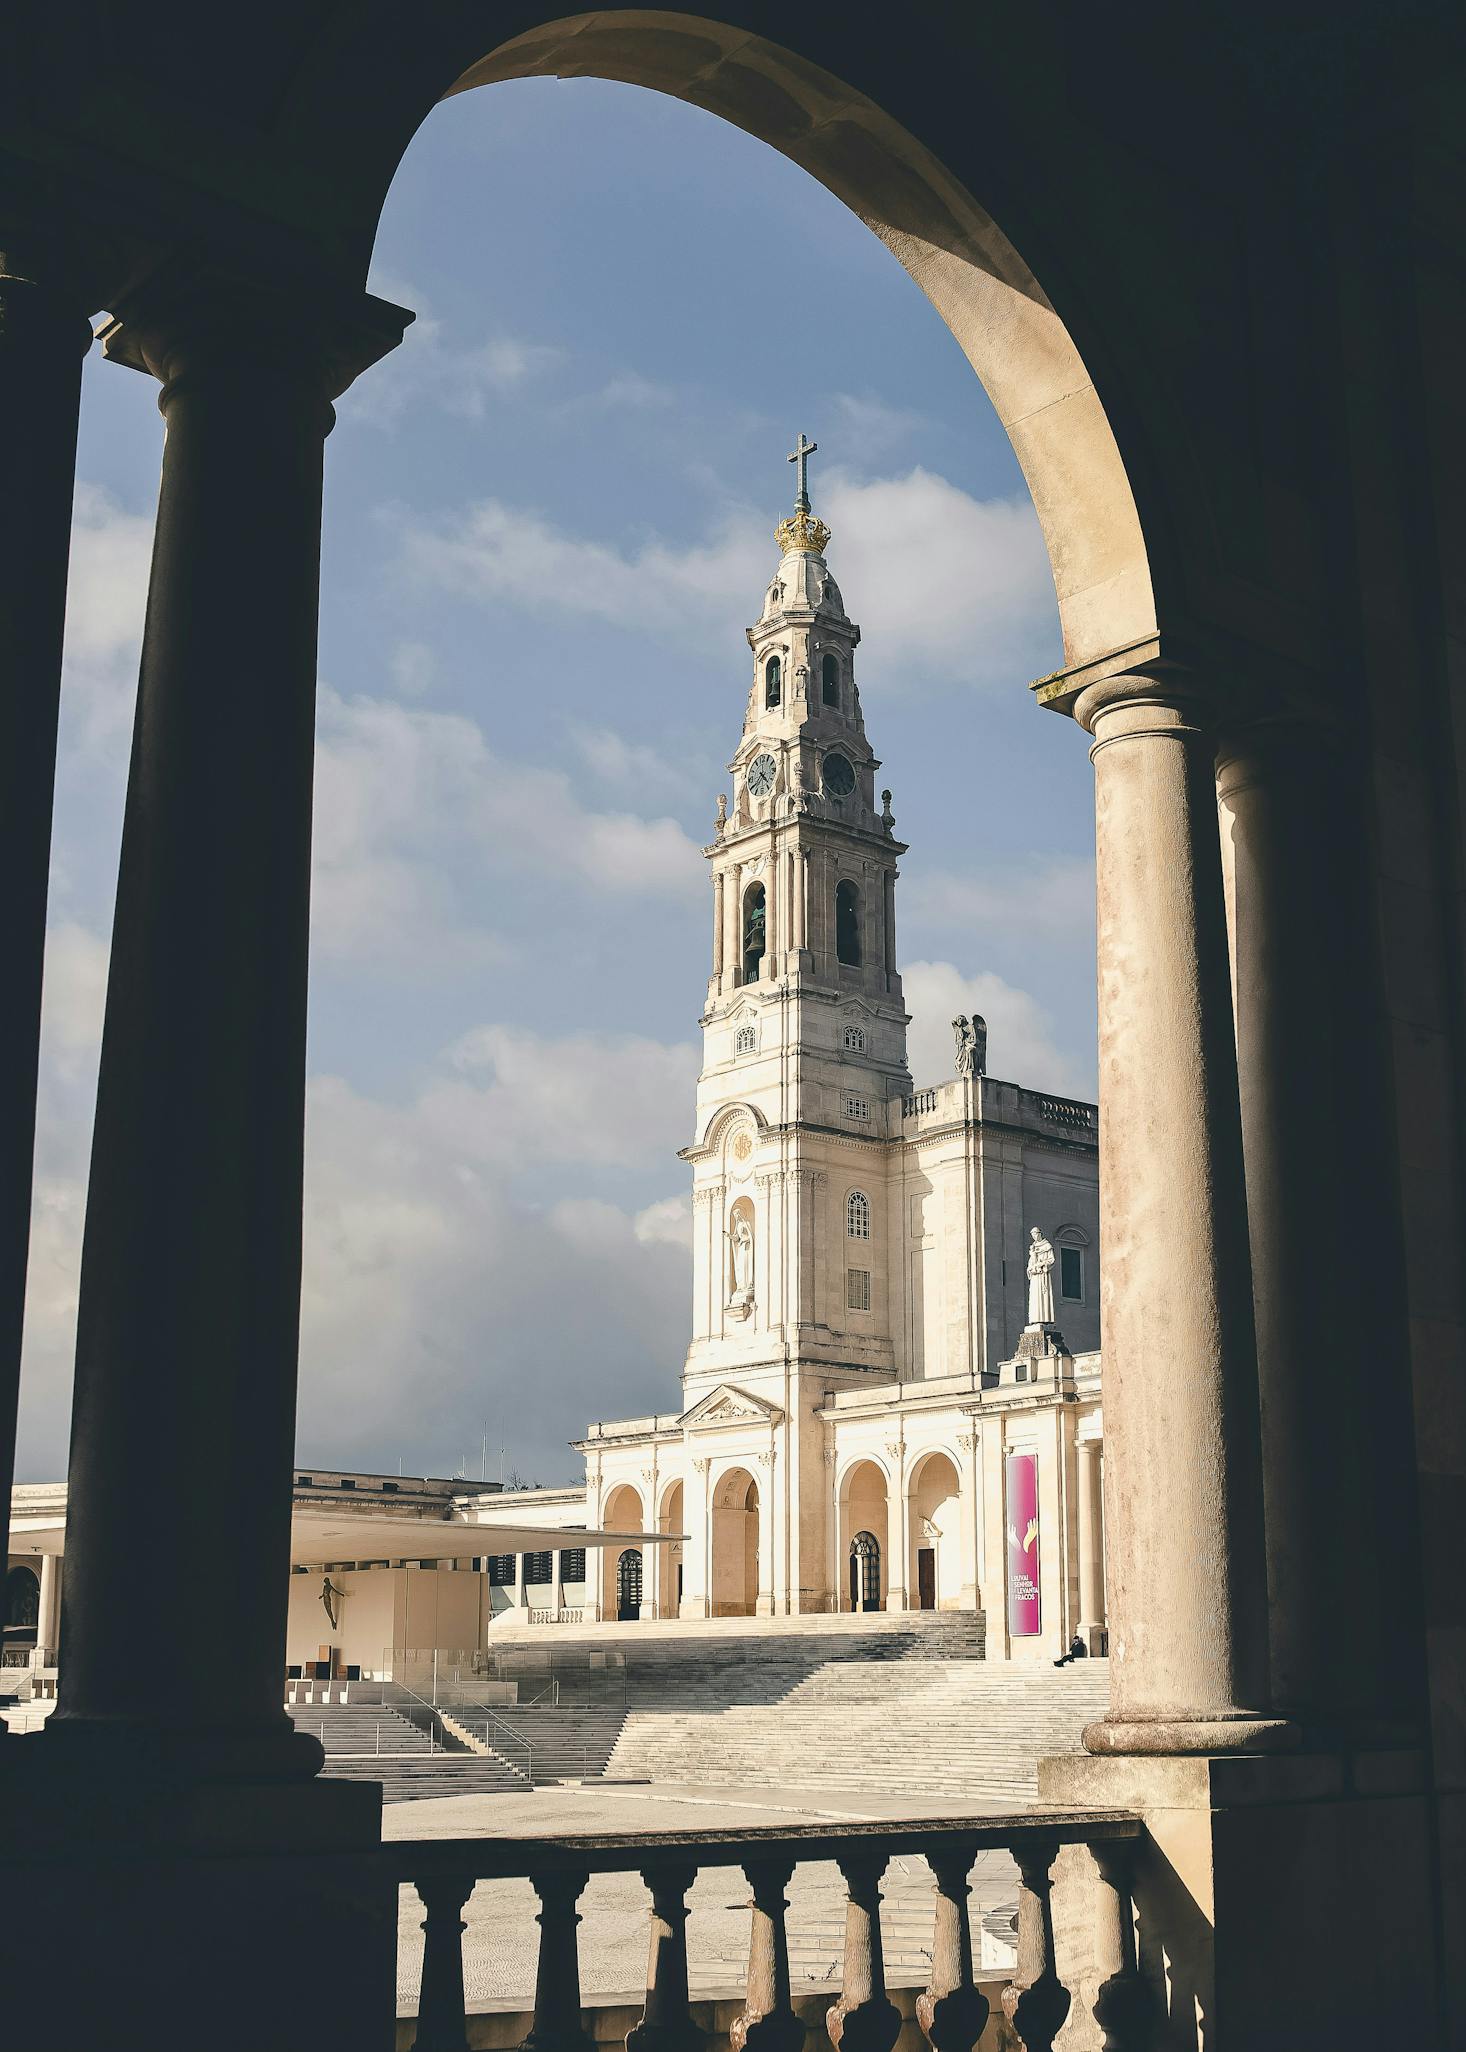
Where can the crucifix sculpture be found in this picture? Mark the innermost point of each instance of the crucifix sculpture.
(800, 454)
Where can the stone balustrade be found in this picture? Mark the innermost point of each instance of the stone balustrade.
(953, 2011)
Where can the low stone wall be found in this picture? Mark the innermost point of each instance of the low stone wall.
(607, 2022)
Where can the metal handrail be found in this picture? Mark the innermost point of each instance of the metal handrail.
(518, 1739)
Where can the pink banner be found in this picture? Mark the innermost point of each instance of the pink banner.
(1022, 1484)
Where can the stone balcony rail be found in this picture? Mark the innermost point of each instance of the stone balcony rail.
(953, 2011)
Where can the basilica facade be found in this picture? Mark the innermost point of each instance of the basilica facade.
(877, 1411)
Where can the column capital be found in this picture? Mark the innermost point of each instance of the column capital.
(1153, 696)
(188, 319)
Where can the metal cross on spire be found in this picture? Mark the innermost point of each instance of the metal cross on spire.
(800, 454)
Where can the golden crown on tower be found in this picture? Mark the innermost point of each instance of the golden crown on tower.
(802, 531)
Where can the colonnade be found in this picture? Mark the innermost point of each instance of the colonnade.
(1233, 1579)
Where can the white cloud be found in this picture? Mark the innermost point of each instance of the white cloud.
(428, 368)
(1021, 1047)
(588, 1097)
(945, 586)
(409, 800)
(413, 667)
(496, 553)
(1047, 897)
(106, 596)
(870, 426)
(669, 1220)
(632, 766)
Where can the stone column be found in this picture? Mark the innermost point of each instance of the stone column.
(898, 1540)
(1342, 1558)
(801, 899)
(557, 1589)
(971, 1510)
(48, 1618)
(773, 920)
(889, 924)
(718, 929)
(1091, 1544)
(1187, 1594)
(44, 334)
(190, 1291)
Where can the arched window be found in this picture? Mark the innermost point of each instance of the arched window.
(22, 1599)
(747, 1040)
(847, 923)
(865, 1572)
(753, 931)
(855, 1040)
(857, 1215)
(830, 680)
(773, 681)
(628, 1586)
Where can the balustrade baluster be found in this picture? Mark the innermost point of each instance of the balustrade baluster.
(666, 2022)
(441, 2026)
(1122, 2003)
(864, 2019)
(1035, 2002)
(557, 2022)
(953, 2010)
(767, 2022)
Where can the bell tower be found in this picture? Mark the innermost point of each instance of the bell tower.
(804, 1030)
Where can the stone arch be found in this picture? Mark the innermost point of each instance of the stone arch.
(1024, 353)
(736, 1544)
(729, 1115)
(864, 1505)
(671, 1517)
(934, 1521)
(622, 1510)
(22, 1601)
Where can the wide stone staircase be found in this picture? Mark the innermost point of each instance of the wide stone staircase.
(373, 1742)
(914, 1728)
(895, 1703)
(569, 1742)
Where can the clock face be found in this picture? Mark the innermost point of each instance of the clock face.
(839, 777)
(761, 774)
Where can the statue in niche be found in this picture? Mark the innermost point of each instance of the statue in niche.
(1040, 1279)
(741, 1235)
(721, 822)
(971, 1036)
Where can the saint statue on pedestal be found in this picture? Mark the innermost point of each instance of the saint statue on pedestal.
(1040, 1279)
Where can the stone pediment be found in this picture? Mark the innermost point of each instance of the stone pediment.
(727, 1405)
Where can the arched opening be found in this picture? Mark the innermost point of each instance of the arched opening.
(864, 1517)
(628, 1585)
(857, 1216)
(22, 1606)
(865, 1572)
(622, 1511)
(670, 1566)
(847, 923)
(935, 1571)
(734, 1573)
(773, 683)
(830, 680)
(985, 291)
(754, 925)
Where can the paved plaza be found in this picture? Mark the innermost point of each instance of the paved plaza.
(499, 1946)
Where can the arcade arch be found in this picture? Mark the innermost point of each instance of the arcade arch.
(863, 1541)
(670, 1559)
(622, 1511)
(934, 1571)
(735, 1545)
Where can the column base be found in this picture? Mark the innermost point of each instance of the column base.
(183, 1754)
(235, 1915)
(1278, 1900)
(1191, 1736)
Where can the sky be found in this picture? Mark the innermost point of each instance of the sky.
(548, 520)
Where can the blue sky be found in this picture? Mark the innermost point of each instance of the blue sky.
(548, 519)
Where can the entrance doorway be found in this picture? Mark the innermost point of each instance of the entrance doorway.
(628, 1586)
(926, 1578)
(865, 1572)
